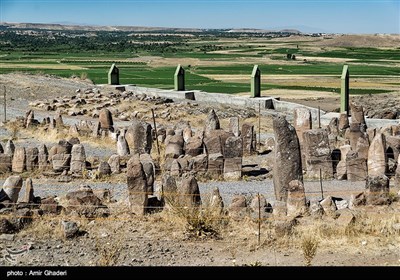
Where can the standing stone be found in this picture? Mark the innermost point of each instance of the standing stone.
(255, 84)
(344, 91)
(377, 190)
(12, 186)
(1, 149)
(113, 75)
(43, 157)
(174, 146)
(317, 153)
(63, 147)
(287, 161)
(234, 126)
(73, 131)
(248, 139)
(114, 163)
(212, 122)
(187, 134)
(238, 206)
(357, 114)
(9, 148)
(189, 192)
(343, 122)
(214, 144)
(61, 162)
(333, 127)
(296, 199)
(397, 174)
(302, 121)
(5, 163)
(28, 197)
(179, 78)
(362, 146)
(354, 134)
(356, 167)
(139, 137)
(32, 158)
(122, 146)
(371, 132)
(96, 129)
(329, 206)
(149, 170)
(105, 119)
(216, 202)
(137, 186)
(341, 170)
(377, 158)
(169, 189)
(199, 164)
(19, 160)
(59, 122)
(78, 159)
(233, 153)
(176, 169)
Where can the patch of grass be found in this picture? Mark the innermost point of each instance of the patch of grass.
(309, 246)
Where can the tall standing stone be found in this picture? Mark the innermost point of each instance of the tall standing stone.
(344, 90)
(5, 163)
(296, 200)
(149, 169)
(356, 167)
(233, 153)
(139, 137)
(9, 148)
(357, 114)
(19, 160)
(216, 202)
(43, 157)
(113, 75)
(32, 158)
(105, 119)
(343, 122)
(248, 139)
(28, 197)
(179, 78)
(317, 153)
(287, 161)
(114, 162)
(377, 158)
(137, 186)
(78, 159)
(302, 121)
(377, 190)
(255, 84)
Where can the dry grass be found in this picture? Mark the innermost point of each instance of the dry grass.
(47, 227)
(309, 246)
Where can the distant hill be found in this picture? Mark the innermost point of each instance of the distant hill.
(72, 27)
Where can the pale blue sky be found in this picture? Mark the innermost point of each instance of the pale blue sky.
(340, 16)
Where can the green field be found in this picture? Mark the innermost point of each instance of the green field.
(204, 57)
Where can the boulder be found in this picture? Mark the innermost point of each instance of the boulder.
(12, 186)
(19, 160)
(137, 186)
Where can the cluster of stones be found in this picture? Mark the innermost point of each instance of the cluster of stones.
(17, 211)
(91, 101)
(211, 152)
(344, 149)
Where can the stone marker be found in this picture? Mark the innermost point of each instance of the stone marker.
(137, 186)
(179, 78)
(61, 162)
(105, 119)
(113, 75)
(255, 84)
(78, 159)
(174, 146)
(317, 154)
(233, 153)
(149, 169)
(216, 202)
(302, 121)
(287, 160)
(104, 168)
(329, 206)
(139, 137)
(43, 157)
(234, 126)
(356, 167)
(344, 90)
(249, 142)
(189, 192)
(122, 146)
(343, 122)
(9, 148)
(212, 122)
(32, 158)
(5, 163)
(238, 206)
(28, 197)
(215, 165)
(357, 114)
(377, 158)
(19, 160)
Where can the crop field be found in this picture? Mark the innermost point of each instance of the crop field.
(213, 62)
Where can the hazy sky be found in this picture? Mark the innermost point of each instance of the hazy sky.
(340, 16)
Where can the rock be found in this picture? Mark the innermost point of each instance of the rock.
(296, 199)
(114, 163)
(287, 161)
(104, 169)
(238, 206)
(6, 226)
(176, 169)
(215, 166)
(284, 227)
(187, 134)
(28, 197)
(279, 208)
(43, 157)
(346, 218)
(198, 164)
(249, 140)
(302, 121)
(69, 229)
(357, 113)
(194, 146)
(357, 200)
(12, 186)
(169, 190)
(356, 168)
(362, 146)
(377, 190)
(174, 147)
(63, 147)
(353, 135)
(341, 204)
(269, 144)
(341, 170)
(216, 202)
(9, 148)
(5, 163)
(149, 169)
(329, 206)
(139, 137)
(232, 168)
(259, 207)
(61, 162)
(49, 205)
(189, 192)
(213, 144)
(137, 186)
(103, 194)
(21, 218)
(315, 209)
